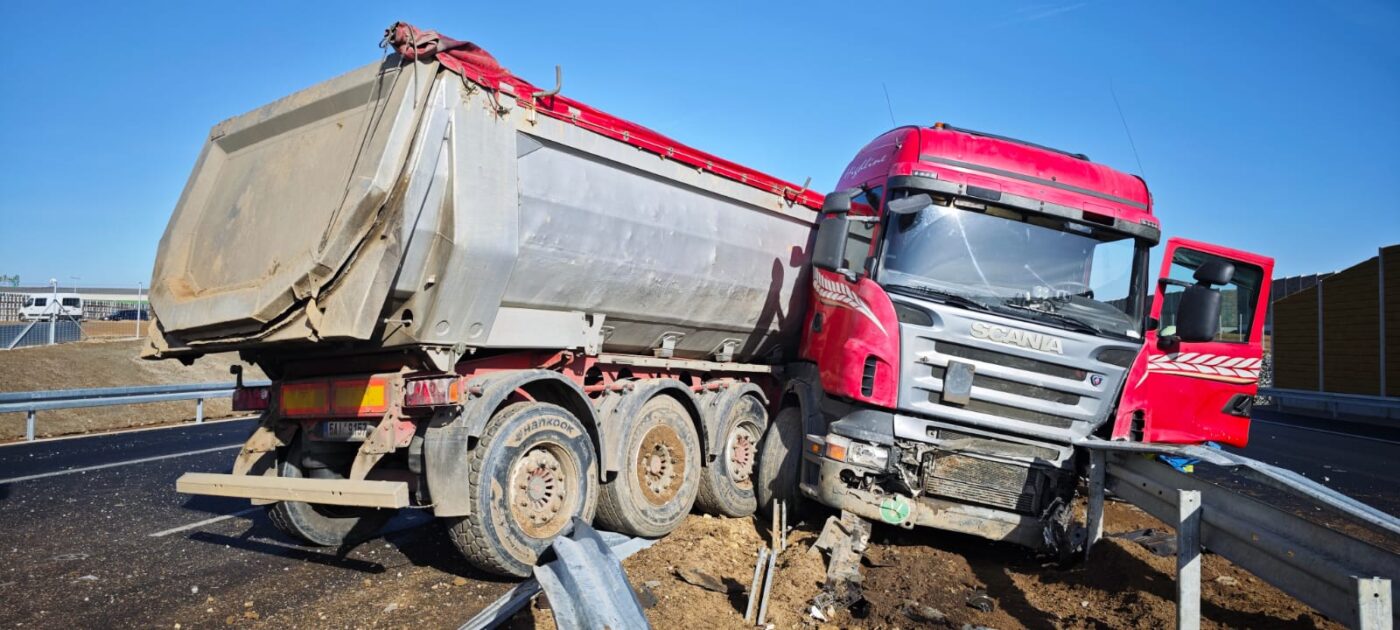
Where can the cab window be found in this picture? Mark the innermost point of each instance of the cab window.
(859, 237)
(1237, 298)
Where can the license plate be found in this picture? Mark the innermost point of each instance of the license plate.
(346, 430)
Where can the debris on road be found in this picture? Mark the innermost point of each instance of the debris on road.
(703, 580)
(755, 585)
(978, 599)
(845, 540)
(923, 614)
(1161, 542)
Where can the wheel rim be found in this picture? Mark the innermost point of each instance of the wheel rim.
(660, 465)
(543, 490)
(741, 452)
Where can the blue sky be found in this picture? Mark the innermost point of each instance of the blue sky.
(1271, 127)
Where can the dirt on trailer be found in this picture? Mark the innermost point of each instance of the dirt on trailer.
(926, 578)
(99, 363)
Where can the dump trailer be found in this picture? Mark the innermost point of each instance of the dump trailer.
(485, 299)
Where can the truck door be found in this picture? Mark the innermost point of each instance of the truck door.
(1188, 392)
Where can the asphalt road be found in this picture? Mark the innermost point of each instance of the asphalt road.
(1362, 467)
(94, 535)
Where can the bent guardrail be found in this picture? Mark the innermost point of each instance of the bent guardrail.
(30, 403)
(1341, 576)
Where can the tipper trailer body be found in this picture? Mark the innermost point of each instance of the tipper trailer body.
(488, 300)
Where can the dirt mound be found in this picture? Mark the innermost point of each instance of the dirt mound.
(105, 364)
(1122, 586)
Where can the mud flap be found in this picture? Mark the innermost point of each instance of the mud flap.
(445, 464)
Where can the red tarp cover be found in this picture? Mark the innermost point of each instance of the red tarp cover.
(474, 63)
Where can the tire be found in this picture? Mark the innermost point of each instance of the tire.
(321, 525)
(780, 461)
(659, 475)
(531, 473)
(726, 485)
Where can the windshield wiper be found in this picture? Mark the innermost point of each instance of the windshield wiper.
(1070, 322)
(947, 297)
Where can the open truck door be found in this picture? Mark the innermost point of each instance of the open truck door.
(1197, 374)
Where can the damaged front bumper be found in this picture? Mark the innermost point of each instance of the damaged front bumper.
(832, 490)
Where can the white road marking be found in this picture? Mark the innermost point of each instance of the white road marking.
(116, 464)
(1350, 435)
(204, 522)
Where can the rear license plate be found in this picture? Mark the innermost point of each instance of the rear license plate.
(346, 430)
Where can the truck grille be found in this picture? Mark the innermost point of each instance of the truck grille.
(982, 481)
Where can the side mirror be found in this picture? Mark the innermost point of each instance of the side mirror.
(909, 205)
(839, 202)
(1198, 316)
(829, 250)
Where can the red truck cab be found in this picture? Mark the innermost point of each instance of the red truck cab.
(980, 305)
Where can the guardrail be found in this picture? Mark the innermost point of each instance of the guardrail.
(1343, 577)
(1352, 406)
(30, 403)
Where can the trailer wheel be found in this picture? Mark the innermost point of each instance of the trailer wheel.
(726, 485)
(660, 474)
(530, 474)
(323, 525)
(780, 460)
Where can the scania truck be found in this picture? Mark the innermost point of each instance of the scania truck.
(488, 300)
(980, 306)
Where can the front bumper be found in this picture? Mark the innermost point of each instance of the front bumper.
(909, 512)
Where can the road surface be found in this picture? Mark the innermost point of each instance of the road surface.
(1363, 467)
(94, 535)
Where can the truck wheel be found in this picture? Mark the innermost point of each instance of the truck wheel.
(530, 474)
(323, 525)
(660, 474)
(779, 461)
(726, 485)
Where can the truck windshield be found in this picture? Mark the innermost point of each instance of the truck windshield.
(1046, 269)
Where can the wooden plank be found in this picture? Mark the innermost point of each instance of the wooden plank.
(380, 494)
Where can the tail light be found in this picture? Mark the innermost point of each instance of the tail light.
(305, 399)
(360, 396)
(429, 392)
(251, 398)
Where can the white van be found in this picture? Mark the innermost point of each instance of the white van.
(39, 306)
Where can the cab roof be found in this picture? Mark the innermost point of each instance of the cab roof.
(1002, 169)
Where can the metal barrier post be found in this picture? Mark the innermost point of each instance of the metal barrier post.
(1094, 515)
(1373, 605)
(29, 425)
(1188, 560)
(199, 410)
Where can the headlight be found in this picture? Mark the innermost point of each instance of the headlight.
(843, 449)
(868, 455)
